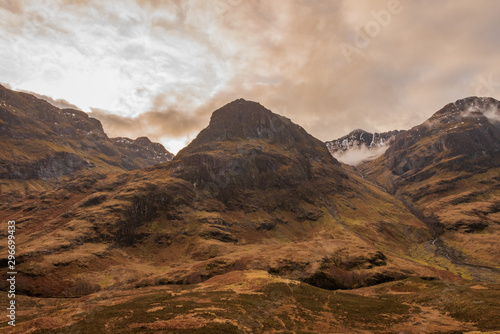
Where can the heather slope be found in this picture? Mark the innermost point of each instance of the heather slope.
(447, 171)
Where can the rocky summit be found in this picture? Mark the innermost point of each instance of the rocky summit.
(248, 148)
(255, 227)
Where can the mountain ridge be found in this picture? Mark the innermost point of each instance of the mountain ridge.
(42, 142)
(360, 138)
(447, 171)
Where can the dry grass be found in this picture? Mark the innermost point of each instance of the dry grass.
(250, 301)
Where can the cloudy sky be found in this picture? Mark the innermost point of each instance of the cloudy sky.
(160, 67)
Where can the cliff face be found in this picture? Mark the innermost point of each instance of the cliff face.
(42, 142)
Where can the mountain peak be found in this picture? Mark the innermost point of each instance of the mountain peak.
(239, 107)
(247, 144)
(464, 134)
(359, 139)
(247, 120)
(357, 131)
(242, 119)
(472, 106)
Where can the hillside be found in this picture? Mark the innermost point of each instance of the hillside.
(41, 143)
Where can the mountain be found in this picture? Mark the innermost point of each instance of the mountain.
(247, 148)
(359, 146)
(40, 142)
(360, 138)
(141, 152)
(447, 171)
(253, 227)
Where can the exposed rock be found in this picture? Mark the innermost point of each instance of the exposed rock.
(350, 263)
(52, 166)
(218, 235)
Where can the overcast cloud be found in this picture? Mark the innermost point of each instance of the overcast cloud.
(159, 68)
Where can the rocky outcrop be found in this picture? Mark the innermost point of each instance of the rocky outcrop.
(50, 167)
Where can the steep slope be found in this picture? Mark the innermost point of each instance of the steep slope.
(447, 170)
(41, 142)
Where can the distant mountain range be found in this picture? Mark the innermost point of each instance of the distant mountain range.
(360, 138)
(254, 226)
(360, 146)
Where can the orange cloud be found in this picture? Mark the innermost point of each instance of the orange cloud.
(162, 67)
